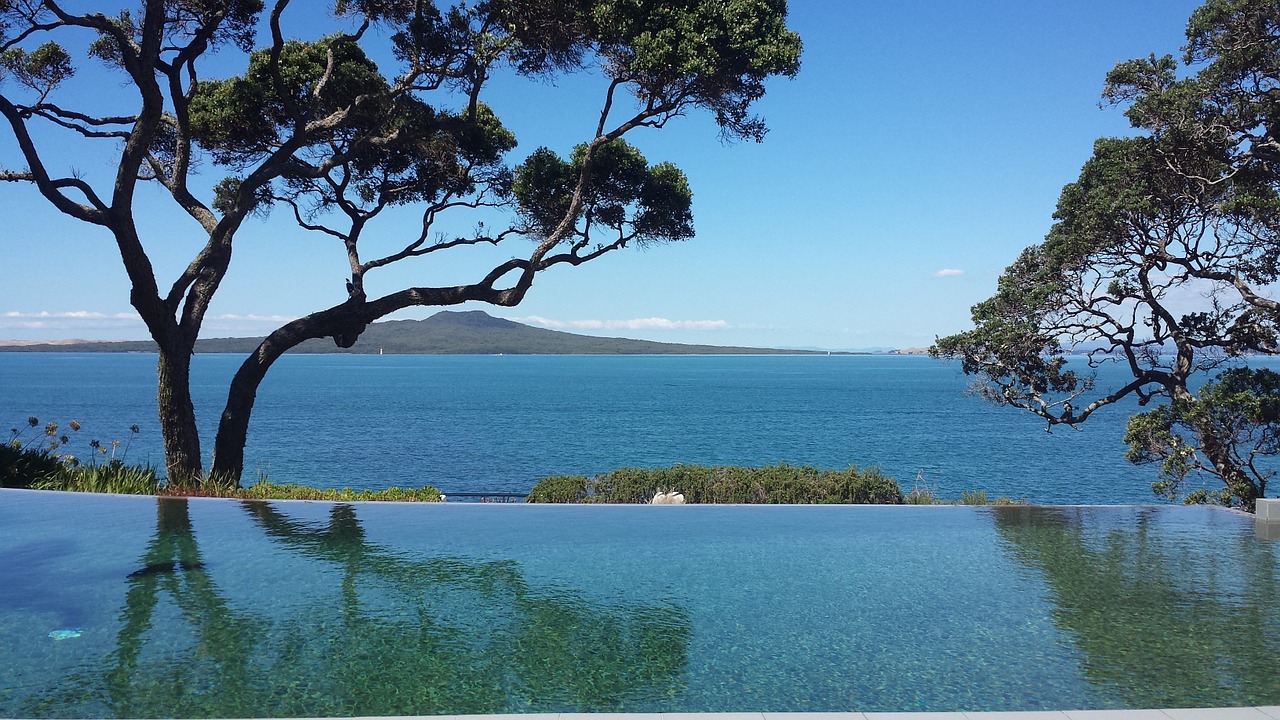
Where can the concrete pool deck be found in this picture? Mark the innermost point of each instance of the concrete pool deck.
(1237, 713)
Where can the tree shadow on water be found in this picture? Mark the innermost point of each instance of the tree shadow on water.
(368, 632)
(1160, 617)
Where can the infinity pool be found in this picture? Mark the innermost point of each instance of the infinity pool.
(137, 607)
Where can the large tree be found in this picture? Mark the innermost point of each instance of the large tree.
(317, 127)
(1161, 259)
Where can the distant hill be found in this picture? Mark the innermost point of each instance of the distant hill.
(445, 333)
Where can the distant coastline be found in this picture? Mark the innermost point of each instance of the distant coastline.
(445, 333)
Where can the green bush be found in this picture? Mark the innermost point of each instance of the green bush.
(21, 467)
(973, 497)
(638, 485)
(30, 456)
(773, 484)
(868, 486)
(559, 489)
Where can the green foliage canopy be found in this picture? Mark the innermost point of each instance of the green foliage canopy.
(1239, 411)
(624, 194)
(1160, 256)
(314, 124)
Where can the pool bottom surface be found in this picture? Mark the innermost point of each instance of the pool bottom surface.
(138, 607)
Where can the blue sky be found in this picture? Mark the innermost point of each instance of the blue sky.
(921, 147)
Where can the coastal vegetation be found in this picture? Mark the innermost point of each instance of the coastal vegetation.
(1163, 259)
(317, 128)
(773, 484)
(40, 458)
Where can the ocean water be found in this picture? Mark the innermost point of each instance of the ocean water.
(499, 423)
(143, 607)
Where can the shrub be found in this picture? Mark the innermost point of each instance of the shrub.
(773, 484)
(559, 489)
(20, 466)
(973, 497)
(628, 485)
(24, 462)
(868, 486)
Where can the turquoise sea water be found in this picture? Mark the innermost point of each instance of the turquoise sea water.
(498, 423)
(138, 607)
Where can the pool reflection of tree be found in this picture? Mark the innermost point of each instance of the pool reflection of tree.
(404, 637)
(1159, 623)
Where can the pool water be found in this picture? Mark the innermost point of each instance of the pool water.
(138, 607)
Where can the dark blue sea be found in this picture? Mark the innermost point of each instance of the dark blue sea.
(499, 423)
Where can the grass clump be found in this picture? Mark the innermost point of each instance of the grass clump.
(979, 497)
(112, 477)
(267, 490)
(773, 484)
(39, 458)
(1003, 500)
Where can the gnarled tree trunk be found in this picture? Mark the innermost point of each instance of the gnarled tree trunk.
(178, 415)
(344, 323)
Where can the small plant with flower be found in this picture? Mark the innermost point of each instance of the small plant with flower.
(25, 460)
(921, 493)
(42, 460)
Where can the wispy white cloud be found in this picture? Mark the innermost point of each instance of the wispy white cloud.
(232, 317)
(88, 320)
(74, 319)
(74, 314)
(236, 325)
(652, 323)
(948, 272)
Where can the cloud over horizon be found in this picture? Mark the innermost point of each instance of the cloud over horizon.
(236, 324)
(91, 320)
(71, 319)
(948, 273)
(652, 323)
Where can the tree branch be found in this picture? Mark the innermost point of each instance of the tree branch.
(96, 212)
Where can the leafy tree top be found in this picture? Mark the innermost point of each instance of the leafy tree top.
(1162, 257)
(316, 126)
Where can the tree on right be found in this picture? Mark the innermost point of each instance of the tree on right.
(1163, 258)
